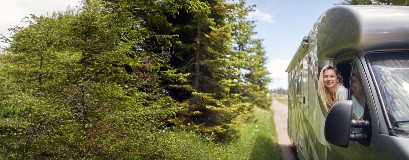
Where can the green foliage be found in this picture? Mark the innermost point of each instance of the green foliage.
(378, 2)
(208, 32)
(357, 2)
(78, 98)
(258, 141)
(106, 81)
(282, 98)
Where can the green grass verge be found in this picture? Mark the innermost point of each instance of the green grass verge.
(281, 98)
(258, 141)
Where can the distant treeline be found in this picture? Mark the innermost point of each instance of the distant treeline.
(104, 81)
(280, 91)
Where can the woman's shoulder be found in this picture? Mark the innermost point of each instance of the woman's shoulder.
(342, 93)
(341, 88)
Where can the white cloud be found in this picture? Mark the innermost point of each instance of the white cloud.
(277, 69)
(13, 11)
(10, 15)
(261, 16)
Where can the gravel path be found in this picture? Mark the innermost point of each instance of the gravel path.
(280, 118)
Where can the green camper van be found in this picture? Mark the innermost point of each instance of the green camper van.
(369, 45)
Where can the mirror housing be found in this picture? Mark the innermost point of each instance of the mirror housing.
(338, 124)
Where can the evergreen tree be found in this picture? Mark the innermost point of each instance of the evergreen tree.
(252, 59)
(357, 2)
(89, 87)
(202, 47)
(104, 81)
(377, 2)
(205, 52)
(257, 77)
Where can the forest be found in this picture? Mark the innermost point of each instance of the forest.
(110, 79)
(376, 2)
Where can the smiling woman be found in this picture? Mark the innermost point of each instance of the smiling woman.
(330, 86)
(369, 46)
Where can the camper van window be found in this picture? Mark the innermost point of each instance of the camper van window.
(345, 69)
(358, 96)
(391, 72)
(330, 86)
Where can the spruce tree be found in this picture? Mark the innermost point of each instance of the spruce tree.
(89, 85)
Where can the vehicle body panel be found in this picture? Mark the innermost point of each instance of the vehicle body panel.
(343, 35)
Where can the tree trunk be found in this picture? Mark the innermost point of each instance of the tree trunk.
(197, 59)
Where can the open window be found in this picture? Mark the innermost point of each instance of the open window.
(357, 92)
(345, 69)
(353, 82)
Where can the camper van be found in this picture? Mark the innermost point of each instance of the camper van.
(369, 45)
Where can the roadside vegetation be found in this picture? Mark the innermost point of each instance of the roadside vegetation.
(112, 79)
(258, 141)
(282, 98)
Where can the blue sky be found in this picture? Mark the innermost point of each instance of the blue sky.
(280, 23)
(283, 24)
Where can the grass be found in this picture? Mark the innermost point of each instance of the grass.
(258, 141)
(281, 98)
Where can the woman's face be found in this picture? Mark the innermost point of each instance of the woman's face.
(330, 79)
(355, 85)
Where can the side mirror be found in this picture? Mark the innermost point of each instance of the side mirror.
(338, 124)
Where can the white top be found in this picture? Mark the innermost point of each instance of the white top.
(342, 93)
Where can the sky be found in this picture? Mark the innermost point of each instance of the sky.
(281, 24)
(13, 12)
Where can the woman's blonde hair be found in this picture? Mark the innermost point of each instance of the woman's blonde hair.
(323, 92)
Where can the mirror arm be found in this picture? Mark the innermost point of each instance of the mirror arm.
(357, 137)
(360, 124)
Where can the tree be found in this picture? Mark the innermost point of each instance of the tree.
(378, 2)
(357, 2)
(82, 83)
(393, 2)
(280, 91)
(89, 85)
(202, 48)
(252, 56)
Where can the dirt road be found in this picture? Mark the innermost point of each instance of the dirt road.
(280, 119)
